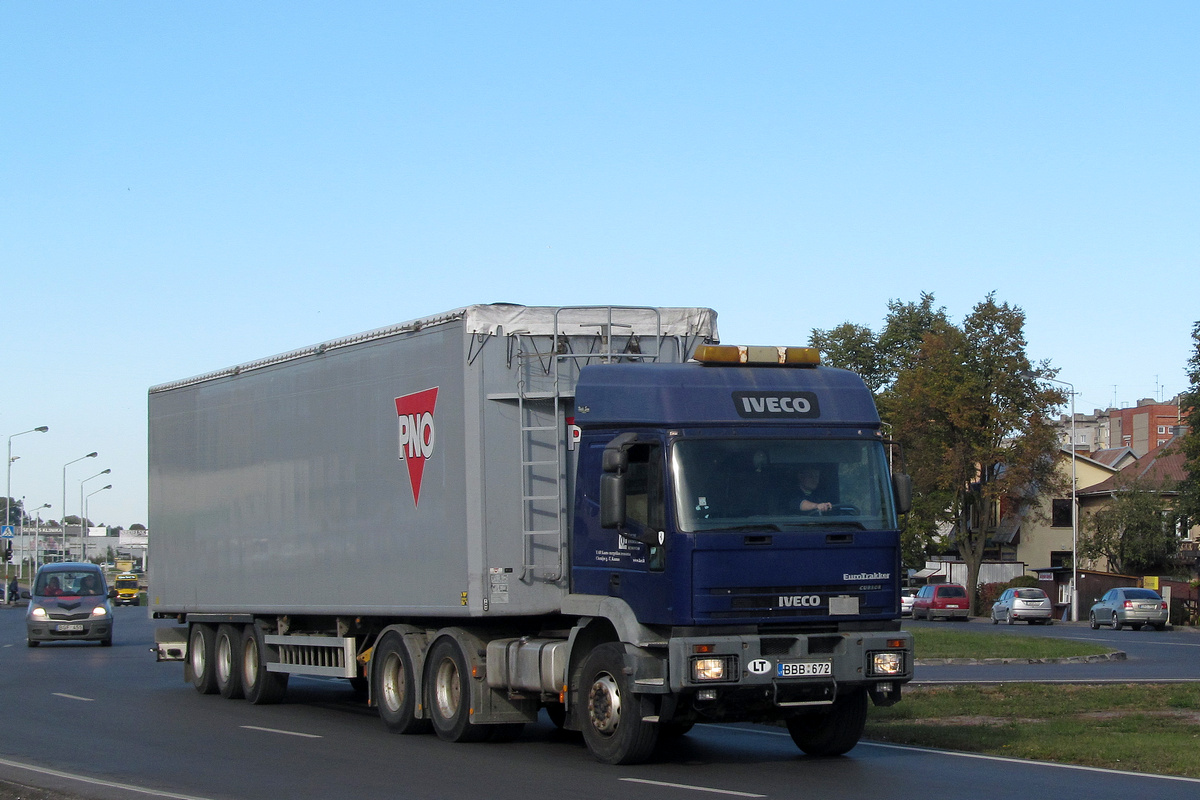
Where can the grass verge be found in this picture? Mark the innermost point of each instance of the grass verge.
(965, 644)
(1141, 728)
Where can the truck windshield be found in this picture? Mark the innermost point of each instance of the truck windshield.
(781, 484)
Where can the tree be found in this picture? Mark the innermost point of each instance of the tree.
(15, 508)
(879, 358)
(975, 425)
(1188, 503)
(1135, 533)
(852, 347)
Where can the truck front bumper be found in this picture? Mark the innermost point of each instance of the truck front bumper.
(720, 673)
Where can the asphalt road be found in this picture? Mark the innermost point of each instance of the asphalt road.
(1151, 656)
(111, 723)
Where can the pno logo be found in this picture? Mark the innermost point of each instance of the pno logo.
(417, 434)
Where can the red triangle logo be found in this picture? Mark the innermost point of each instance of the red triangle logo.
(417, 434)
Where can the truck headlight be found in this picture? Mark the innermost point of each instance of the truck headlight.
(714, 668)
(889, 663)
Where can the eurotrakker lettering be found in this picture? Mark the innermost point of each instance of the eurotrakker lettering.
(866, 576)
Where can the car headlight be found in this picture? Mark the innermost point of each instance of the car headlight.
(38, 612)
(889, 663)
(99, 611)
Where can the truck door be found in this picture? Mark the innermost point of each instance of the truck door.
(628, 561)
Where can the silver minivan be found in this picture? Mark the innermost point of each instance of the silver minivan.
(68, 602)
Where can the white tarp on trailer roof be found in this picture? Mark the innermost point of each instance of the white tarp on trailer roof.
(512, 319)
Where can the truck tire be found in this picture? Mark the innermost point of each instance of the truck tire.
(260, 686)
(201, 647)
(613, 728)
(227, 661)
(448, 688)
(394, 687)
(834, 730)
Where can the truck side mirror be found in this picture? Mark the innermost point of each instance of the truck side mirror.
(612, 499)
(902, 490)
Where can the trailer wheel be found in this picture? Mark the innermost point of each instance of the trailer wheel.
(834, 730)
(613, 727)
(394, 687)
(447, 680)
(227, 662)
(201, 642)
(260, 686)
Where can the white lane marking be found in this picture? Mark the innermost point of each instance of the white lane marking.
(128, 787)
(1000, 759)
(285, 733)
(1007, 760)
(692, 788)
(74, 697)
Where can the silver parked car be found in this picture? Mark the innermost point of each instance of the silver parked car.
(1031, 605)
(1129, 606)
(68, 603)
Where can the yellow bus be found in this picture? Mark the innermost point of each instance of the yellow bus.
(128, 590)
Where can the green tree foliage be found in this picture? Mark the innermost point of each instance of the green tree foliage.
(1189, 490)
(15, 510)
(879, 358)
(1135, 533)
(852, 347)
(975, 426)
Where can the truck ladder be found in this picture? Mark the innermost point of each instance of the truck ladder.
(546, 382)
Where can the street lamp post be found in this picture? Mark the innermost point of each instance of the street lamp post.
(83, 542)
(83, 519)
(33, 562)
(63, 521)
(8, 488)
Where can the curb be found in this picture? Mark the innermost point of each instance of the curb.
(1116, 655)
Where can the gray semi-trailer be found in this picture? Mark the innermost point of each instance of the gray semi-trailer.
(598, 511)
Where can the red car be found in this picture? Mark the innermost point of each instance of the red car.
(945, 600)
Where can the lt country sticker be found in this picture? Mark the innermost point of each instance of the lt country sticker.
(417, 434)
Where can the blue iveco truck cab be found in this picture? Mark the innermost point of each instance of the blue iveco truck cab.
(596, 512)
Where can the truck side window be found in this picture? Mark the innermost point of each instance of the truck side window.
(644, 487)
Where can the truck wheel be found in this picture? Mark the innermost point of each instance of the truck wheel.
(260, 686)
(227, 663)
(613, 728)
(394, 687)
(201, 648)
(447, 680)
(834, 731)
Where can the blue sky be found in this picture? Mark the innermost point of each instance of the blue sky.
(186, 186)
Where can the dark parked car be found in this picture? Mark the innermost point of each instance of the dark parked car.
(68, 603)
(1031, 605)
(945, 600)
(1129, 606)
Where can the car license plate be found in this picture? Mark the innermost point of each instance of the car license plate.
(1147, 606)
(67, 627)
(803, 669)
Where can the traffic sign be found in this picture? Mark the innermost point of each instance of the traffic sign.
(7, 531)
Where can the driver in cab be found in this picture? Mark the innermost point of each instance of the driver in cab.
(810, 496)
